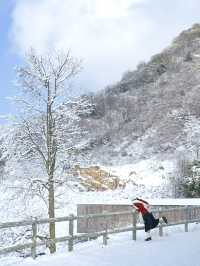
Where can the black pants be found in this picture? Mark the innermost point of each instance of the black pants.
(149, 221)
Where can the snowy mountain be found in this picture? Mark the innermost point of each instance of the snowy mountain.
(151, 116)
(152, 111)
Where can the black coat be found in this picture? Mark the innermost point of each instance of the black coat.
(149, 221)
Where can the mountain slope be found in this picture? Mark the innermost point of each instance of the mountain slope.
(151, 111)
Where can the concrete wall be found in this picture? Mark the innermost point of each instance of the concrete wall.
(98, 224)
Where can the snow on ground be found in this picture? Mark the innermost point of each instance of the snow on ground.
(150, 177)
(174, 249)
(149, 172)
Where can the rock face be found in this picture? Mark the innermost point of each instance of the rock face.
(94, 178)
(152, 111)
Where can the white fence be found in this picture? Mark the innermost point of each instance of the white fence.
(185, 218)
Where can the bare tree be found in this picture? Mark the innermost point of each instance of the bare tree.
(45, 119)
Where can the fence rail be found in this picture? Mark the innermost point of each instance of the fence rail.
(72, 237)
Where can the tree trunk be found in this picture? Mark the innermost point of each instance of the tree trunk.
(52, 229)
(50, 171)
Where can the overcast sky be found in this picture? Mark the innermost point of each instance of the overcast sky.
(111, 36)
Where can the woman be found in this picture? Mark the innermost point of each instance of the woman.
(150, 221)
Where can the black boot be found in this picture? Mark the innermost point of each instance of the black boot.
(164, 219)
(148, 239)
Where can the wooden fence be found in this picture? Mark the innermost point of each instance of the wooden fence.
(185, 218)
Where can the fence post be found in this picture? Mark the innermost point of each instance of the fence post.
(187, 219)
(134, 220)
(160, 230)
(105, 234)
(105, 237)
(160, 225)
(71, 233)
(34, 238)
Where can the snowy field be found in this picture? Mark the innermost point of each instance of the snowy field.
(175, 248)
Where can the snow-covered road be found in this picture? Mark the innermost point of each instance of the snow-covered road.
(174, 249)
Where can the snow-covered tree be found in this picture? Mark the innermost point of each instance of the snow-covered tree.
(191, 183)
(48, 128)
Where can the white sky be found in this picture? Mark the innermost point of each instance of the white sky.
(111, 36)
